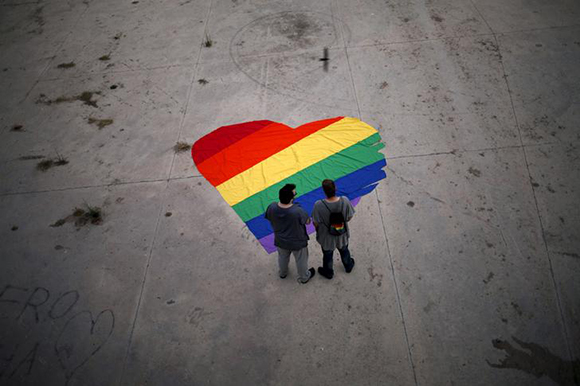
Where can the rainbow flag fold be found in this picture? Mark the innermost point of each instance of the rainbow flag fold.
(248, 163)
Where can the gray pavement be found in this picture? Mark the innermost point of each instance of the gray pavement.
(468, 254)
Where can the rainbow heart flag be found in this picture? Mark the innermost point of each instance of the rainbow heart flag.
(249, 162)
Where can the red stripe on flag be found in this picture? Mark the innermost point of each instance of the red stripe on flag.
(223, 137)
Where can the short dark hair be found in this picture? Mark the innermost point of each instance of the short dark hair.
(286, 194)
(329, 188)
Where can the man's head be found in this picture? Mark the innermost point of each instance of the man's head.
(287, 193)
(329, 188)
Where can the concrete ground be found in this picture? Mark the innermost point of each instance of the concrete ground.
(468, 254)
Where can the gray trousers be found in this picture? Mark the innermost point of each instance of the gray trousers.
(301, 257)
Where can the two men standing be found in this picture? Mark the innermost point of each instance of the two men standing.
(289, 221)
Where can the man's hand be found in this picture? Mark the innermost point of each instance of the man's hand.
(308, 221)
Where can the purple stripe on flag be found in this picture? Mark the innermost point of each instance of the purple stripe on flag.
(268, 241)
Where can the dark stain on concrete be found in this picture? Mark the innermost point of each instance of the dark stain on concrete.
(86, 97)
(39, 20)
(569, 254)
(437, 18)
(197, 315)
(30, 157)
(58, 223)
(105, 58)
(410, 204)
(374, 275)
(428, 307)
(66, 65)
(100, 123)
(489, 277)
(82, 217)
(516, 307)
(297, 27)
(474, 171)
(46, 164)
(537, 361)
(17, 128)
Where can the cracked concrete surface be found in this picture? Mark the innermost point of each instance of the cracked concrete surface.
(467, 254)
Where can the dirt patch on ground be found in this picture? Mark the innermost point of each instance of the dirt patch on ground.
(297, 27)
(373, 276)
(46, 164)
(100, 123)
(436, 18)
(474, 171)
(38, 19)
(181, 147)
(30, 157)
(85, 97)
(81, 217)
(538, 361)
(66, 65)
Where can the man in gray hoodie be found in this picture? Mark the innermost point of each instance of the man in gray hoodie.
(329, 242)
(289, 221)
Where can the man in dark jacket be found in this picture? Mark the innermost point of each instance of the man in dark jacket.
(290, 237)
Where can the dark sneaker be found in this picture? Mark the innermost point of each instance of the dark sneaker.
(283, 277)
(325, 273)
(312, 273)
(351, 267)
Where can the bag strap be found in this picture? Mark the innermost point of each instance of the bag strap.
(341, 206)
(327, 225)
(342, 210)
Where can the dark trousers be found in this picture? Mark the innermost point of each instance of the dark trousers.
(344, 256)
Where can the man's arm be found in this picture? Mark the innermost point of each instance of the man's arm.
(349, 209)
(315, 215)
(304, 217)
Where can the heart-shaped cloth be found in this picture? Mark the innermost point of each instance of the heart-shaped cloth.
(249, 162)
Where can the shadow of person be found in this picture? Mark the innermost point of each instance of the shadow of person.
(538, 361)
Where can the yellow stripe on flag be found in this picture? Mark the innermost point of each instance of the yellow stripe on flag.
(302, 154)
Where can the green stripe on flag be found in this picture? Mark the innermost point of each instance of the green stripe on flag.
(361, 154)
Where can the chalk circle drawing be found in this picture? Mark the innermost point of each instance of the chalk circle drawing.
(249, 162)
(282, 52)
